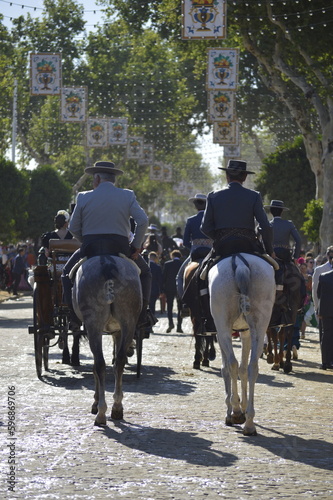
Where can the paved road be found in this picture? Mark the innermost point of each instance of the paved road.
(173, 443)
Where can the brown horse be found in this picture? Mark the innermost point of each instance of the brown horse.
(280, 337)
(204, 345)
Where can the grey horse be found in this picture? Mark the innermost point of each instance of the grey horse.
(107, 297)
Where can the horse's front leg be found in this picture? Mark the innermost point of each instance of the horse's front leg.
(243, 368)
(99, 406)
(289, 330)
(270, 358)
(276, 365)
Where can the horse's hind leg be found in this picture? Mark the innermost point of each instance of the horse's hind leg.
(253, 370)
(75, 357)
(122, 341)
(230, 377)
(243, 368)
(99, 406)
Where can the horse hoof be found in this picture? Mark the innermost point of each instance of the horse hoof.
(249, 432)
(238, 418)
(281, 364)
(270, 359)
(276, 367)
(212, 355)
(75, 362)
(228, 421)
(196, 365)
(94, 410)
(100, 423)
(205, 362)
(287, 367)
(117, 414)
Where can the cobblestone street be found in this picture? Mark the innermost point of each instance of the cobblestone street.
(172, 443)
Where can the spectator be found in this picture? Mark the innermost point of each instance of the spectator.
(170, 270)
(157, 280)
(325, 296)
(310, 265)
(60, 232)
(167, 245)
(18, 269)
(324, 268)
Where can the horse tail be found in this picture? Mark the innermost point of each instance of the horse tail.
(109, 291)
(242, 276)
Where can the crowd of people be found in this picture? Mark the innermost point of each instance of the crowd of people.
(15, 262)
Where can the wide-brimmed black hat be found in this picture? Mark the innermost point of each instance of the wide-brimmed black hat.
(103, 167)
(199, 197)
(236, 166)
(277, 204)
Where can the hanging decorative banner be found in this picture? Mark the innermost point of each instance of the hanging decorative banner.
(221, 105)
(185, 189)
(167, 173)
(204, 19)
(45, 74)
(232, 151)
(134, 148)
(225, 133)
(74, 102)
(147, 155)
(222, 72)
(118, 131)
(156, 171)
(97, 132)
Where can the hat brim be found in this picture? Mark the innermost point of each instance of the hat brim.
(236, 170)
(275, 206)
(107, 170)
(197, 199)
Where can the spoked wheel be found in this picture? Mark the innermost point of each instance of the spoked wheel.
(41, 342)
(139, 342)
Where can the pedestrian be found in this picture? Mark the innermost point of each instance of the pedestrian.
(168, 244)
(170, 271)
(325, 312)
(18, 269)
(319, 270)
(156, 280)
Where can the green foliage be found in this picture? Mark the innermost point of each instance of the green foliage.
(14, 187)
(48, 194)
(313, 214)
(286, 175)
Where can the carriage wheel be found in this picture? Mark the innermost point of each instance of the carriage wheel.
(41, 342)
(139, 338)
(38, 338)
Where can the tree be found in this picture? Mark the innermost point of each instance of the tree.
(286, 175)
(313, 215)
(14, 188)
(48, 194)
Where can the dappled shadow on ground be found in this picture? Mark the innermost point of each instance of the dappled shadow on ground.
(167, 443)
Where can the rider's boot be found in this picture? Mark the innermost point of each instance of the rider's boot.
(146, 319)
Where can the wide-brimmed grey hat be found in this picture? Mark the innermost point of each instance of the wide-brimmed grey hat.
(236, 166)
(277, 204)
(153, 227)
(103, 167)
(198, 196)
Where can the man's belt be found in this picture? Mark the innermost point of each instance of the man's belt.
(203, 242)
(235, 232)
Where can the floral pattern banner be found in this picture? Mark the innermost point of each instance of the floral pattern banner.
(204, 19)
(225, 133)
(221, 105)
(147, 155)
(222, 71)
(97, 132)
(118, 131)
(45, 74)
(134, 148)
(167, 173)
(74, 102)
(232, 151)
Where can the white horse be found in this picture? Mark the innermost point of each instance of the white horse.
(107, 297)
(242, 294)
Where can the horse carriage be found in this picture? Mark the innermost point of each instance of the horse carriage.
(51, 317)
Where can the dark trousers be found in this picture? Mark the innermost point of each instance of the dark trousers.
(170, 297)
(16, 282)
(326, 343)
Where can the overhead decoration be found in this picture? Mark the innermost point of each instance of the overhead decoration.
(183, 188)
(97, 132)
(156, 171)
(167, 173)
(118, 131)
(74, 104)
(226, 132)
(147, 155)
(45, 74)
(222, 72)
(221, 105)
(134, 148)
(203, 19)
(232, 151)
